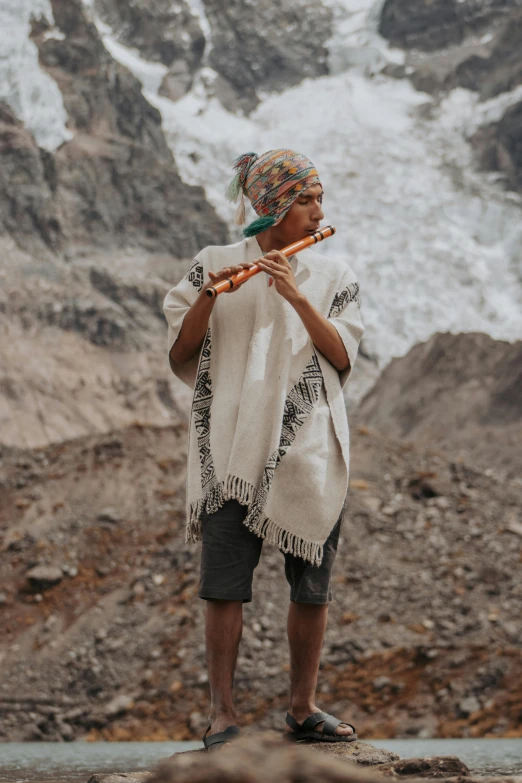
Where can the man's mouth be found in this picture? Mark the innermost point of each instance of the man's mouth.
(312, 230)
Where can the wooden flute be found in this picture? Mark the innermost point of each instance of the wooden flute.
(230, 282)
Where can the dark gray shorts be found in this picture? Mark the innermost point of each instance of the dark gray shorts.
(230, 553)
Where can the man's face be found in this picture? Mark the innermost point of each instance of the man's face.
(303, 217)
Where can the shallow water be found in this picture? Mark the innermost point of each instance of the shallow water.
(74, 762)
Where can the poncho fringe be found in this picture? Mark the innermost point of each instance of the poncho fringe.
(236, 488)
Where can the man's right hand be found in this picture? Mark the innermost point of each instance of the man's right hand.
(217, 277)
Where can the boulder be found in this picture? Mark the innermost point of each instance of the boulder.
(262, 756)
(42, 577)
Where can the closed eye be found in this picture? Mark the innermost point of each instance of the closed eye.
(306, 200)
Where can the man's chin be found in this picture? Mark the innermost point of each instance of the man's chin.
(295, 236)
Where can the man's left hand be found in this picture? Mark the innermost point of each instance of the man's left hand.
(277, 265)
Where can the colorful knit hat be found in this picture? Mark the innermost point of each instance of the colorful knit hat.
(271, 182)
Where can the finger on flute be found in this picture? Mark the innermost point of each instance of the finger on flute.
(312, 239)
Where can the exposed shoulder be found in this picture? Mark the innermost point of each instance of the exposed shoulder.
(336, 268)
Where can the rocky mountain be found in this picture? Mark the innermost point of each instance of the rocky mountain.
(114, 183)
(460, 394)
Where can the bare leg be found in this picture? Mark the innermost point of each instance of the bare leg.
(306, 627)
(223, 630)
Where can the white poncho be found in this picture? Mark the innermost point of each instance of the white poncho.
(268, 423)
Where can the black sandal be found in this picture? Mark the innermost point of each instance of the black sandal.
(220, 737)
(305, 730)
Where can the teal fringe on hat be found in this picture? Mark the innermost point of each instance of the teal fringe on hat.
(258, 225)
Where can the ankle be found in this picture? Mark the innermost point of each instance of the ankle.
(222, 712)
(302, 708)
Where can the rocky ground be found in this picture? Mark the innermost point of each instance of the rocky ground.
(104, 632)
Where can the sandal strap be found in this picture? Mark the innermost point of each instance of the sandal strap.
(311, 722)
(291, 721)
(332, 723)
(221, 736)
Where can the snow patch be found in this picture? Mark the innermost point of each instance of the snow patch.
(355, 42)
(31, 93)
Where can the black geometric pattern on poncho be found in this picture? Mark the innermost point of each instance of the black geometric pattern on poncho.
(195, 274)
(342, 298)
(201, 405)
(298, 406)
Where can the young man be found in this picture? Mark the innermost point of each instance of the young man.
(268, 455)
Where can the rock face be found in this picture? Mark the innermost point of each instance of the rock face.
(117, 171)
(499, 146)
(115, 183)
(28, 184)
(457, 392)
(251, 46)
(430, 25)
(501, 70)
(163, 31)
(268, 45)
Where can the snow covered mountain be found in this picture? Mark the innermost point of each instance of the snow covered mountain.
(435, 241)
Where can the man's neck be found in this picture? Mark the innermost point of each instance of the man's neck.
(268, 241)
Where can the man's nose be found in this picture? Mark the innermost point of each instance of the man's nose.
(318, 213)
